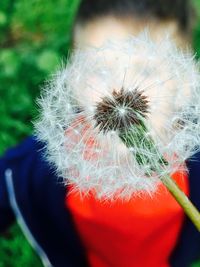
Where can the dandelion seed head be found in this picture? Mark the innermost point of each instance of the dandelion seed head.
(119, 86)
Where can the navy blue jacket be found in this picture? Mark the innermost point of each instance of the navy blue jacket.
(31, 193)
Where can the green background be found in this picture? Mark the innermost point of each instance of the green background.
(34, 40)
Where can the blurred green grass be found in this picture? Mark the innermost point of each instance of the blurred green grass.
(35, 36)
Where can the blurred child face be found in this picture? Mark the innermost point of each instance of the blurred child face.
(97, 31)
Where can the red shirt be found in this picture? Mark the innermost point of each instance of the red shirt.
(138, 233)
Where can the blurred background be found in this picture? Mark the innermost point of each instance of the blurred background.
(35, 37)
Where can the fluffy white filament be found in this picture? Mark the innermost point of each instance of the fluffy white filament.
(93, 160)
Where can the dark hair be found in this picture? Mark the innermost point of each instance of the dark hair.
(166, 9)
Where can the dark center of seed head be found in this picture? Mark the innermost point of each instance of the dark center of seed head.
(121, 110)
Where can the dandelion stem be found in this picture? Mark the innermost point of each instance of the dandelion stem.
(190, 210)
(137, 137)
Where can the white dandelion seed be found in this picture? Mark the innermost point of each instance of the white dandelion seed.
(88, 109)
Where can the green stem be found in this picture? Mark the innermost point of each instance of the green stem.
(136, 137)
(190, 210)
